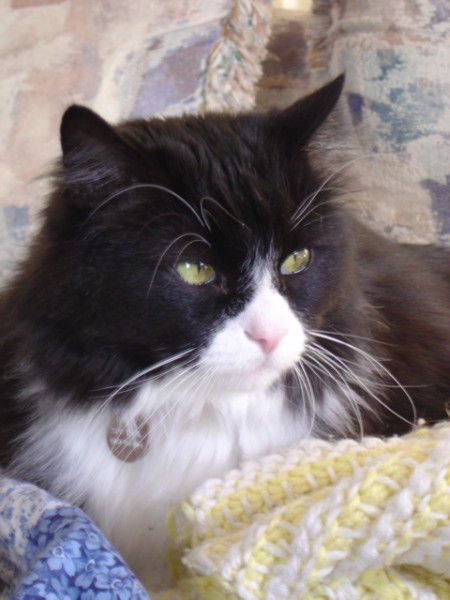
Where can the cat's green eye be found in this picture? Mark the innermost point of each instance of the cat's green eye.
(296, 262)
(195, 273)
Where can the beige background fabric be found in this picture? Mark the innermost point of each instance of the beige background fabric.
(122, 59)
(396, 56)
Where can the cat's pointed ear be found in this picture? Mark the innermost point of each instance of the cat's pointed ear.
(92, 149)
(298, 123)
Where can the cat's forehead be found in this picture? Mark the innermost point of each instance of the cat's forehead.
(220, 179)
(204, 184)
(210, 152)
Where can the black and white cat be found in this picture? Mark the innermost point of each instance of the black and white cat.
(198, 295)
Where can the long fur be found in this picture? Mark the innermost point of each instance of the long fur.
(97, 323)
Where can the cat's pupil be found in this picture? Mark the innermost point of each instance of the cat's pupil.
(296, 262)
(195, 273)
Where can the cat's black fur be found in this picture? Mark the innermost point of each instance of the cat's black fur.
(98, 299)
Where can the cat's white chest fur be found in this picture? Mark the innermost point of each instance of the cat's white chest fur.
(202, 419)
(129, 500)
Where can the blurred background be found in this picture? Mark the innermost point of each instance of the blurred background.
(156, 58)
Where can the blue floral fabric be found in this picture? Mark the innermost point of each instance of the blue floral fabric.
(51, 550)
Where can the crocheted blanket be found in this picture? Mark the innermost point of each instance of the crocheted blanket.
(327, 520)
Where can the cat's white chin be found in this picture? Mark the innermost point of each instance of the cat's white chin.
(253, 376)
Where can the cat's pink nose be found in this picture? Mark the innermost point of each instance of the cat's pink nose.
(267, 337)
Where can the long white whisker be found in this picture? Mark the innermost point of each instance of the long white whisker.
(306, 386)
(300, 215)
(344, 363)
(378, 366)
(149, 186)
(147, 371)
(194, 383)
(205, 212)
(197, 238)
(132, 387)
(305, 208)
(191, 381)
(326, 367)
(180, 253)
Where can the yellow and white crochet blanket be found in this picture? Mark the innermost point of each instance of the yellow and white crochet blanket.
(326, 520)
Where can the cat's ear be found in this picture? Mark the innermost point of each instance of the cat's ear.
(299, 122)
(93, 155)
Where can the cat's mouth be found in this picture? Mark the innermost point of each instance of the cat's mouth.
(256, 348)
(259, 374)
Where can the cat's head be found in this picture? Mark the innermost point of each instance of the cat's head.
(211, 241)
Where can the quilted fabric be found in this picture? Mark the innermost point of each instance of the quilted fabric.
(51, 550)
